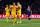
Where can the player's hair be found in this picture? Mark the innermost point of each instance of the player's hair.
(13, 2)
(6, 5)
(19, 3)
(29, 6)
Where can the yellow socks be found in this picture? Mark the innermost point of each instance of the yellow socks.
(14, 20)
(20, 18)
(7, 19)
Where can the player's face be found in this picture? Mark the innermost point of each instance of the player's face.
(28, 7)
(14, 4)
(7, 6)
(17, 3)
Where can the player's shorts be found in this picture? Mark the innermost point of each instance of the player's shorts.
(18, 13)
(7, 14)
(29, 16)
(13, 14)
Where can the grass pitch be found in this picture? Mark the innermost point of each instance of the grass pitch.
(25, 23)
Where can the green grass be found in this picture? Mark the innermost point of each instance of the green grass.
(25, 23)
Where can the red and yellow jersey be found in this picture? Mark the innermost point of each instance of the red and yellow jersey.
(19, 11)
(14, 8)
(20, 8)
(10, 7)
(7, 10)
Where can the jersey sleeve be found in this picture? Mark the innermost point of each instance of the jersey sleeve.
(11, 6)
(5, 8)
(20, 6)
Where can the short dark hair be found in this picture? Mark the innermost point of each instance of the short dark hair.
(18, 2)
(13, 2)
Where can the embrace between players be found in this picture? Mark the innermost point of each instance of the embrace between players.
(15, 10)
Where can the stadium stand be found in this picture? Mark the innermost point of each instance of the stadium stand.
(35, 5)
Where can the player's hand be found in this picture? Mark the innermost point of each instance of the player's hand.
(10, 9)
(17, 11)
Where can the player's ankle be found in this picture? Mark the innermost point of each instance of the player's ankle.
(30, 20)
(20, 21)
(17, 22)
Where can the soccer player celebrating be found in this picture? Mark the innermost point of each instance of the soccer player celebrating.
(18, 12)
(13, 12)
(29, 13)
(10, 7)
(7, 12)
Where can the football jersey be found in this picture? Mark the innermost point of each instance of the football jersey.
(7, 10)
(14, 8)
(20, 8)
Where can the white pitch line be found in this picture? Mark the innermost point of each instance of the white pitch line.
(35, 23)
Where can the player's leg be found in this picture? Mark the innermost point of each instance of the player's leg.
(17, 18)
(14, 18)
(20, 17)
(7, 17)
(29, 17)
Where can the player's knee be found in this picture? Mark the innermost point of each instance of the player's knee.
(29, 18)
(12, 16)
(6, 16)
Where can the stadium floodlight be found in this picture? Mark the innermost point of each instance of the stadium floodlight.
(0, 0)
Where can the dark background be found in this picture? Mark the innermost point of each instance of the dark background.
(35, 5)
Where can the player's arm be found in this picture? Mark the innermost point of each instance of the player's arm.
(11, 8)
(5, 9)
(19, 7)
(8, 11)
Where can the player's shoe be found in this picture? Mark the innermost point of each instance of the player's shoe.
(17, 22)
(12, 20)
(13, 24)
(20, 21)
(7, 20)
(30, 20)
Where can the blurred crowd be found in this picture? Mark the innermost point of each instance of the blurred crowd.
(34, 4)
